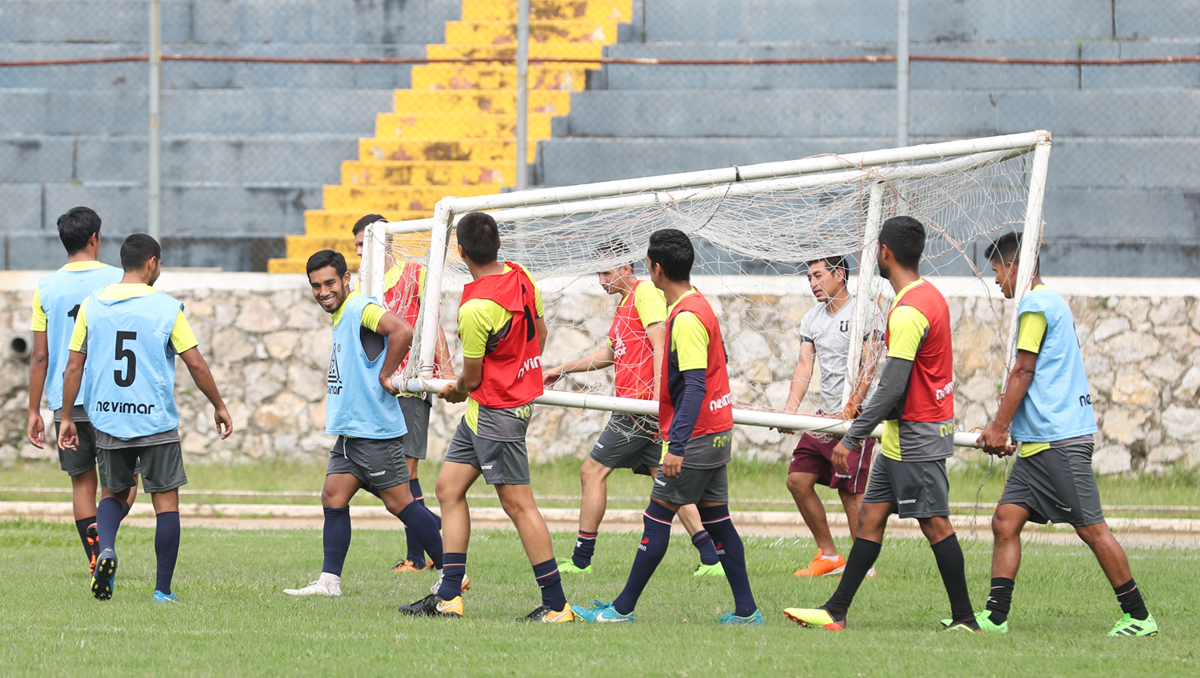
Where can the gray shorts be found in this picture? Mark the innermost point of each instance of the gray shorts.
(416, 418)
(83, 458)
(693, 485)
(501, 463)
(377, 464)
(629, 441)
(1056, 485)
(161, 467)
(919, 489)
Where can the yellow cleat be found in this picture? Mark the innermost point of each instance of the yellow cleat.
(549, 615)
(814, 618)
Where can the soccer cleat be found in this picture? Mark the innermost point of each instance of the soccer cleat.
(601, 612)
(106, 570)
(567, 566)
(755, 619)
(549, 615)
(984, 620)
(966, 625)
(93, 541)
(466, 585)
(815, 618)
(320, 587)
(703, 570)
(410, 566)
(160, 597)
(820, 567)
(432, 606)
(1128, 626)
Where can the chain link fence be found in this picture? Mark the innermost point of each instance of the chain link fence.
(284, 121)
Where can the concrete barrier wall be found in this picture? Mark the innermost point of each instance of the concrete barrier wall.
(268, 344)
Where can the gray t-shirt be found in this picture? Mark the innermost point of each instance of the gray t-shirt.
(830, 335)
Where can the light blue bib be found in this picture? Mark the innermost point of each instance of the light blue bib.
(60, 294)
(129, 386)
(355, 404)
(1059, 404)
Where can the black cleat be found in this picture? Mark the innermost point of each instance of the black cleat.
(106, 570)
(433, 606)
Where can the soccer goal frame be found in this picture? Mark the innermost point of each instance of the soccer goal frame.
(873, 169)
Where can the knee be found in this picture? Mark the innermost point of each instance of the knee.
(798, 485)
(1093, 534)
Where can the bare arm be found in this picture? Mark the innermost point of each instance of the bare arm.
(469, 380)
(399, 339)
(801, 377)
(870, 362)
(72, 376)
(445, 366)
(38, 363)
(994, 438)
(198, 368)
(540, 324)
(657, 334)
(598, 359)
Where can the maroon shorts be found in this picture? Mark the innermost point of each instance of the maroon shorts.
(814, 454)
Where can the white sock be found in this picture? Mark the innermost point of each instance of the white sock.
(327, 578)
(833, 557)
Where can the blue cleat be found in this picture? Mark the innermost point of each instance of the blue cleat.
(601, 612)
(106, 571)
(160, 597)
(755, 619)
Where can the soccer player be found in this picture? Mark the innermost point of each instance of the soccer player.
(502, 331)
(362, 410)
(129, 334)
(635, 343)
(55, 303)
(403, 286)
(695, 412)
(915, 402)
(1048, 404)
(825, 339)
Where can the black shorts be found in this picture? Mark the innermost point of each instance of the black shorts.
(161, 467)
(416, 419)
(693, 485)
(377, 464)
(629, 441)
(1056, 485)
(501, 463)
(83, 458)
(919, 489)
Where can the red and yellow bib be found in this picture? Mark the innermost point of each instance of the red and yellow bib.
(930, 396)
(512, 372)
(633, 356)
(716, 415)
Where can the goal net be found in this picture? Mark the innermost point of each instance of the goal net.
(754, 229)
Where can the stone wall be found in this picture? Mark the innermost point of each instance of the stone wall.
(268, 344)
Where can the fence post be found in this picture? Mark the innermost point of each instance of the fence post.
(902, 75)
(522, 93)
(154, 134)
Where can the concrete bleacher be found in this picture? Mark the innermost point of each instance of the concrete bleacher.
(1124, 180)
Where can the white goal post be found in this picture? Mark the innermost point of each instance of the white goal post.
(769, 216)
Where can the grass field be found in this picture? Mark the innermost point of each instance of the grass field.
(235, 621)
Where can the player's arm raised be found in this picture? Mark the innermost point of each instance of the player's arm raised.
(38, 363)
(198, 368)
(399, 336)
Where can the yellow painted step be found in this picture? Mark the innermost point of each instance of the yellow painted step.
(299, 265)
(303, 246)
(563, 50)
(498, 76)
(340, 223)
(602, 31)
(490, 10)
(423, 173)
(478, 101)
(437, 126)
(473, 150)
(377, 198)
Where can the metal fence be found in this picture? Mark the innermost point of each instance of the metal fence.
(283, 121)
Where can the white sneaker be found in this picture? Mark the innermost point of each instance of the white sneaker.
(327, 585)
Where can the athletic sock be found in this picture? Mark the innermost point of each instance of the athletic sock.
(82, 527)
(336, 537)
(949, 557)
(1130, 598)
(655, 540)
(862, 558)
(419, 524)
(125, 508)
(454, 566)
(108, 521)
(550, 582)
(733, 556)
(704, 544)
(414, 486)
(166, 548)
(999, 600)
(585, 548)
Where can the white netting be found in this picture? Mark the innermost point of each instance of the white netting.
(753, 239)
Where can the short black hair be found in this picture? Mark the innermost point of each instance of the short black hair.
(615, 247)
(1006, 249)
(76, 228)
(905, 236)
(833, 263)
(325, 258)
(361, 224)
(672, 249)
(137, 250)
(479, 237)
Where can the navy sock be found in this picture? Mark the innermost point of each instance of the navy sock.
(337, 539)
(1130, 598)
(125, 509)
(733, 556)
(414, 486)
(863, 555)
(704, 544)
(82, 526)
(585, 548)
(415, 553)
(550, 582)
(454, 566)
(954, 577)
(108, 521)
(166, 548)
(655, 540)
(419, 524)
(999, 599)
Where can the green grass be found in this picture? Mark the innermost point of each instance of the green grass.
(753, 486)
(235, 621)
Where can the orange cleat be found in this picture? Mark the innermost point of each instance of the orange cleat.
(821, 567)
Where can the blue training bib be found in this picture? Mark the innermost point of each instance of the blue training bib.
(60, 294)
(355, 404)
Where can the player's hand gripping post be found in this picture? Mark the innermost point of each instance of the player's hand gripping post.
(399, 336)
